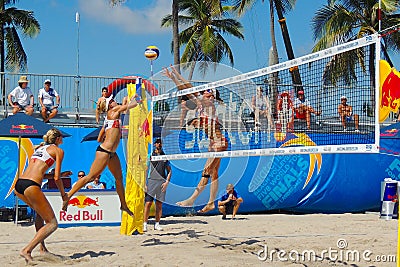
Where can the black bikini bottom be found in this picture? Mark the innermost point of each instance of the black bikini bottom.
(110, 154)
(22, 184)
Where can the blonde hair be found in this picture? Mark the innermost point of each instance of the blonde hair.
(50, 137)
(102, 106)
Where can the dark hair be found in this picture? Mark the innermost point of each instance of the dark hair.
(158, 140)
(218, 96)
(104, 89)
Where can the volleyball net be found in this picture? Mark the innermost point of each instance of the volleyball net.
(324, 102)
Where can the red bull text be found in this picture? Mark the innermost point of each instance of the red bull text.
(81, 215)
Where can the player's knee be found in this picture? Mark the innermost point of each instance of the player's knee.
(52, 224)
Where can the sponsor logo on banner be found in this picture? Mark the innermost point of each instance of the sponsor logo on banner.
(389, 133)
(87, 210)
(23, 129)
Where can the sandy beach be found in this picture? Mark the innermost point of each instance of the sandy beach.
(289, 240)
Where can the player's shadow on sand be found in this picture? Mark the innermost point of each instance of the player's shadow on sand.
(157, 241)
(190, 221)
(92, 254)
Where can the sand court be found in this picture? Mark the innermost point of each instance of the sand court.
(210, 241)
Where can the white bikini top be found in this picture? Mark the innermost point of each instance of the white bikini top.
(108, 124)
(42, 154)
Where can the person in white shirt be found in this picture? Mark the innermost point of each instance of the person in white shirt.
(23, 97)
(96, 184)
(46, 100)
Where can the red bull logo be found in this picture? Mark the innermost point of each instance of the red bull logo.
(22, 126)
(391, 132)
(389, 90)
(23, 129)
(82, 201)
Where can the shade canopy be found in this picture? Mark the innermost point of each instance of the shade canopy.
(22, 125)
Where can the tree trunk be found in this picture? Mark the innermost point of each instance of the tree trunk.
(2, 56)
(289, 50)
(273, 59)
(175, 34)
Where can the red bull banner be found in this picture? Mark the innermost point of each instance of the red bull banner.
(87, 208)
(389, 95)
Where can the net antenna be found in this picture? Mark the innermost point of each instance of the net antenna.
(262, 113)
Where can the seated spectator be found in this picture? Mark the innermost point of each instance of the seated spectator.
(81, 174)
(261, 106)
(46, 100)
(229, 203)
(104, 95)
(346, 114)
(303, 109)
(285, 112)
(23, 97)
(96, 184)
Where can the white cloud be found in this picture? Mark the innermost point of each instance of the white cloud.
(131, 20)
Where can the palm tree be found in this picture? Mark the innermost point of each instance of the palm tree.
(175, 33)
(342, 21)
(281, 7)
(12, 54)
(13, 20)
(203, 38)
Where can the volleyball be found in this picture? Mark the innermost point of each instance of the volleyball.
(151, 52)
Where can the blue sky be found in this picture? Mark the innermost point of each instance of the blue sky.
(112, 40)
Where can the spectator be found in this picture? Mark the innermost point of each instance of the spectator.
(104, 93)
(157, 182)
(261, 106)
(303, 109)
(46, 100)
(23, 97)
(96, 184)
(346, 114)
(81, 174)
(229, 203)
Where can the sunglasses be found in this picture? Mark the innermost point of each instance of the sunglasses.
(81, 175)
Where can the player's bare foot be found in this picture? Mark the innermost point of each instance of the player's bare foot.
(127, 210)
(27, 256)
(207, 208)
(185, 203)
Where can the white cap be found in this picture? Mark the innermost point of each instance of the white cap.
(343, 97)
(108, 99)
(47, 81)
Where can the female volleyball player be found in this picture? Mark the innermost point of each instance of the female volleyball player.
(28, 189)
(207, 121)
(106, 155)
